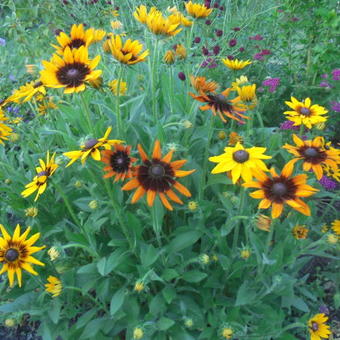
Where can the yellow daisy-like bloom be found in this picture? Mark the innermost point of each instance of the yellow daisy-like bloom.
(116, 25)
(245, 253)
(114, 87)
(16, 253)
(239, 81)
(247, 94)
(314, 154)
(5, 132)
(192, 205)
(129, 53)
(336, 226)
(278, 190)
(54, 286)
(234, 138)
(70, 71)
(78, 37)
(236, 64)
(27, 91)
(300, 232)
(201, 85)
(92, 147)
(240, 161)
(169, 57)
(31, 212)
(178, 18)
(318, 330)
(141, 13)
(330, 172)
(181, 51)
(305, 113)
(227, 333)
(139, 286)
(39, 182)
(197, 11)
(263, 222)
(138, 333)
(53, 253)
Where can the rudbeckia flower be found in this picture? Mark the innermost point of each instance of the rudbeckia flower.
(16, 253)
(5, 132)
(141, 13)
(27, 91)
(240, 161)
(336, 226)
(197, 11)
(300, 232)
(39, 182)
(314, 154)
(157, 176)
(201, 85)
(304, 113)
(278, 190)
(54, 286)
(247, 94)
(92, 147)
(318, 330)
(70, 71)
(236, 64)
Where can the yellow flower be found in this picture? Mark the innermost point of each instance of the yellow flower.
(93, 205)
(114, 87)
(91, 147)
(96, 83)
(245, 253)
(236, 64)
(10, 322)
(141, 13)
(336, 226)
(201, 85)
(71, 71)
(54, 286)
(43, 108)
(188, 323)
(53, 253)
(247, 94)
(227, 333)
(129, 53)
(324, 228)
(178, 18)
(138, 333)
(139, 286)
(192, 205)
(204, 258)
(331, 172)
(31, 212)
(240, 161)
(14, 137)
(5, 131)
(16, 253)
(78, 184)
(239, 81)
(263, 222)
(181, 51)
(318, 330)
(304, 113)
(27, 91)
(332, 239)
(222, 135)
(115, 25)
(169, 57)
(300, 232)
(30, 68)
(115, 13)
(39, 182)
(234, 138)
(197, 11)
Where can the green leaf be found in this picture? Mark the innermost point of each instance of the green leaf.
(169, 274)
(183, 240)
(117, 301)
(169, 293)
(92, 328)
(164, 323)
(149, 254)
(194, 276)
(246, 294)
(300, 304)
(54, 311)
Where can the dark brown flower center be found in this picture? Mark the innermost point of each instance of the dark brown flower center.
(156, 171)
(120, 161)
(89, 144)
(305, 111)
(315, 326)
(311, 152)
(37, 84)
(42, 173)
(279, 189)
(76, 43)
(11, 255)
(240, 156)
(72, 75)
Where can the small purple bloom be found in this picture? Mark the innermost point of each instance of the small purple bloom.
(294, 19)
(256, 37)
(197, 40)
(181, 76)
(258, 56)
(324, 76)
(2, 42)
(219, 33)
(208, 22)
(327, 183)
(216, 5)
(324, 309)
(335, 106)
(205, 51)
(12, 77)
(280, 10)
(232, 42)
(236, 29)
(216, 49)
(288, 125)
(325, 84)
(272, 83)
(336, 74)
(266, 52)
(241, 49)
(230, 57)
(221, 8)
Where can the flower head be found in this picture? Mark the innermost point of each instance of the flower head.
(234, 138)
(304, 113)
(201, 85)
(27, 92)
(71, 71)
(54, 286)
(314, 154)
(336, 226)
(39, 182)
(169, 57)
(263, 222)
(317, 327)
(114, 84)
(16, 253)
(278, 190)
(139, 286)
(240, 161)
(31, 212)
(247, 93)
(197, 11)
(157, 176)
(5, 132)
(92, 147)
(227, 333)
(53, 253)
(300, 232)
(236, 64)
(272, 83)
(138, 333)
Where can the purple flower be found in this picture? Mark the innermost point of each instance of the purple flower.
(232, 42)
(272, 83)
(181, 76)
(221, 8)
(2, 42)
(335, 106)
(241, 49)
(336, 74)
(12, 77)
(325, 84)
(210, 63)
(216, 5)
(256, 37)
(219, 33)
(205, 51)
(266, 52)
(288, 125)
(294, 19)
(258, 56)
(230, 57)
(327, 183)
(324, 76)
(208, 22)
(324, 309)
(236, 29)
(216, 49)
(197, 40)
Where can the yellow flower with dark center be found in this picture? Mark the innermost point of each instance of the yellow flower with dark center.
(114, 87)
(169, 57)
(263, 222)
(247, 94)
(234, 138)
(119, 163)
(78, 37)
(157, 176)
(318, 330)
(197, 11)
(221, 105)
(5, 132)
(181, 51)
(201, 85)
(314, 154)
(54, 286)
(240, 161)
(71, 71)
(16, 253)
(331, 172)
(178, 18)
(192, 205)
(278, 190)
(39, 182)
(336, 226)
(239, 81)
(92, 147)
(28, 91)
(129, 53)
(304, 113)
(236, 64)
(300, 232)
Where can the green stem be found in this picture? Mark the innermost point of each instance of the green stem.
(87, 112)
(154, 83)
(237, 227)
(120, 131)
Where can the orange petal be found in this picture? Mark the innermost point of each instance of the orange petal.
(304, 208)
(318, 171)
(173, 196)
(277, 209)
(181, 173)
(138, 194)
(265, 203)
(182, 189)
(178, 164)
(150, 197)
(142, 153)
(157, 152)
(165, 201)
(134, 183)
(167, 157)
